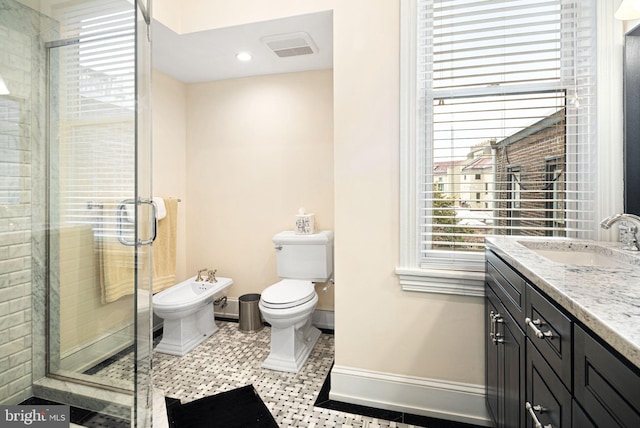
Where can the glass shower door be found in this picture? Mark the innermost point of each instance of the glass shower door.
(100, 218)
(143, 385)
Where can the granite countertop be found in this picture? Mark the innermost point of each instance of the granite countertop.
(604, 298)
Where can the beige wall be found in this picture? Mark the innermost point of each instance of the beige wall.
(378, 327)
(169, 13)
(630, 25)
(258, 149)
(187, 16)
(169, 133)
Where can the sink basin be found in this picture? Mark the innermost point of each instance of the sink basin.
(579, 258)
(577, 255)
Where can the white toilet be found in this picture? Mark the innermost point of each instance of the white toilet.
(289, 304)
(187, 310)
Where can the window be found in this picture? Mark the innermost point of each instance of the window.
(494, 89)
(555, 195)
(96, 115)
(512, 202)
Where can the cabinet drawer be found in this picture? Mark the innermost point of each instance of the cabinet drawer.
(548, 401)
(605, 386)
(507, 284)
(550, 332)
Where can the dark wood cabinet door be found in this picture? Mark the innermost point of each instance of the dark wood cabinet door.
(505, 365)
(548, 401)
(492, 362)
(513, 367)
(579, 418)
(607, 388)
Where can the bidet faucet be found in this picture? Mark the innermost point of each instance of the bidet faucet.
(199, 277)
(212, 276)
(631, 244)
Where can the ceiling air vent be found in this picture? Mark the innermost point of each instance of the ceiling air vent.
(291, 44)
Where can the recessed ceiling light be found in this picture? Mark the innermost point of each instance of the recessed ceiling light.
(243, 56)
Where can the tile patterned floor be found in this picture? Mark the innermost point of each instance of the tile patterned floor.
(230, 359)
(118, 367)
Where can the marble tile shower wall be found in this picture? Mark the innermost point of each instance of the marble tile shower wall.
(22, 191)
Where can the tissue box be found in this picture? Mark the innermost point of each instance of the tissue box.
(305, 224)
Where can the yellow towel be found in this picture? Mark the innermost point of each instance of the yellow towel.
(164, 248)
(117, 261)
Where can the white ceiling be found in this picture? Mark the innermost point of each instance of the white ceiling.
(211, 55)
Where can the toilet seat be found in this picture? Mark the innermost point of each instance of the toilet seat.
(287, 293)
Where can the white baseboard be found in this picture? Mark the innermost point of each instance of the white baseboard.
(324, 319)
(230, 311)
(453, 401)
(321, 318)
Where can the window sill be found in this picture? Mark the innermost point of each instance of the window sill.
(451, 282)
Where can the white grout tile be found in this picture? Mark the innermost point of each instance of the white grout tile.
(230, 359)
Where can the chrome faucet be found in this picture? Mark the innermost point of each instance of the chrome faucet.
(629, 244)
(212, 276)
(199, 277)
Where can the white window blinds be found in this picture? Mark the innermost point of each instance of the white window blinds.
(95, 80)
(505, 130)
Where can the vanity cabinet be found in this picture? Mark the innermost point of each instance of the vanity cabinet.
(505, 364)
(508, 285)
(550, 332)
(547, 400)
(505, 347)
(544, 368)
(605, 386)
(579, 418)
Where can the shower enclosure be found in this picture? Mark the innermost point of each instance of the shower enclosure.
(76, 222)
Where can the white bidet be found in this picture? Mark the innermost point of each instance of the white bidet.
(188, 314)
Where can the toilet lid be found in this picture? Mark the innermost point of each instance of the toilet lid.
(288, 293)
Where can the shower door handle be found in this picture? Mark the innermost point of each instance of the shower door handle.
(154, 223)
(122, 218)
(122, 214)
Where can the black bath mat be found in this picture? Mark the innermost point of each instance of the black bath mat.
(239, 408)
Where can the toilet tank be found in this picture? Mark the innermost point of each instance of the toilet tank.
(308, 257)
